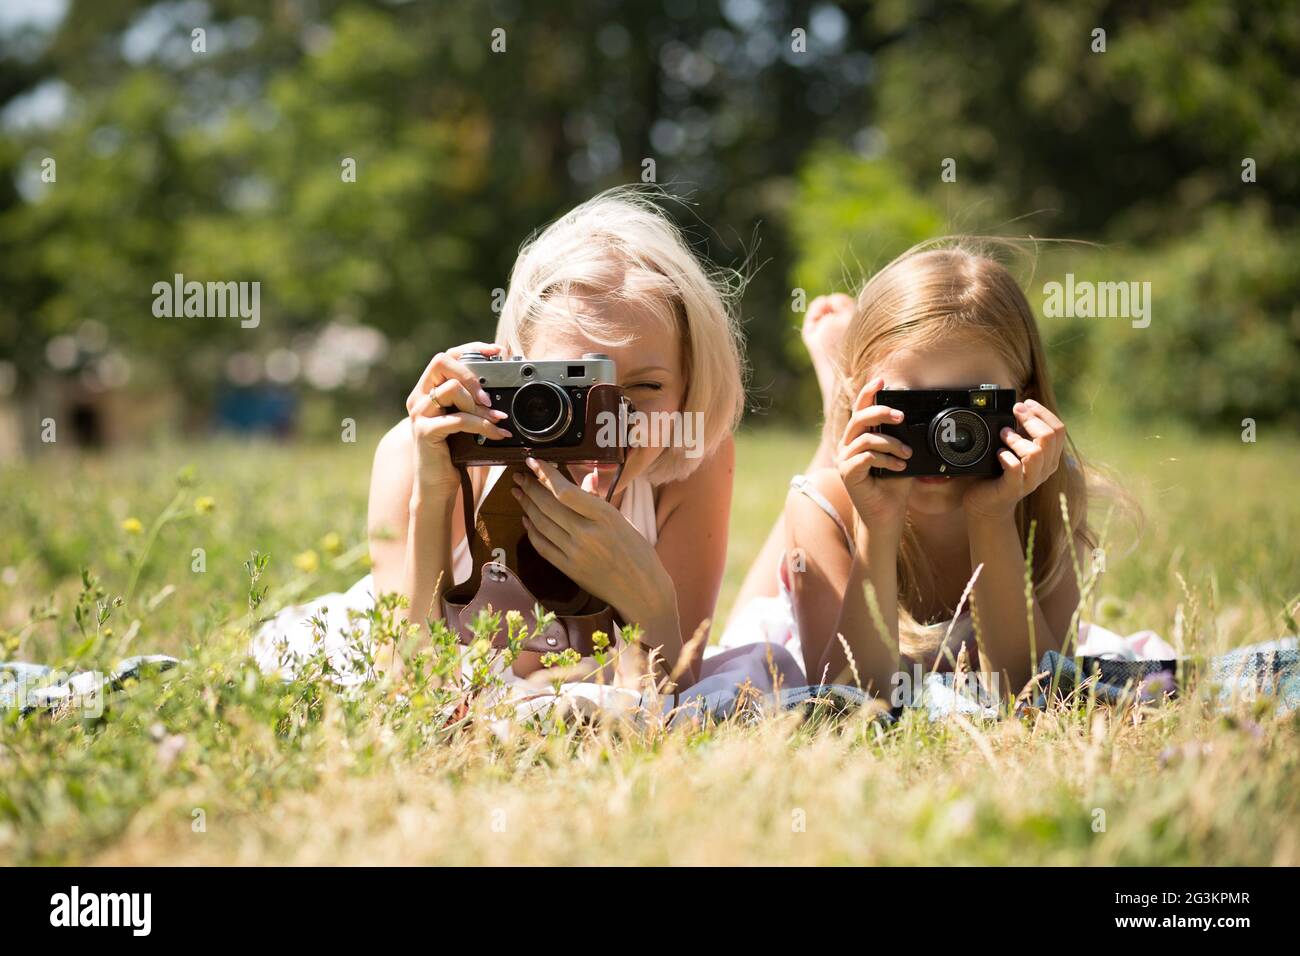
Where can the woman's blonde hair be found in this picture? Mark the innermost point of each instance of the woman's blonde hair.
(949, 293)
(620, 247)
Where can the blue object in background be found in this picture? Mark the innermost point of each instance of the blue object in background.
(257, 409)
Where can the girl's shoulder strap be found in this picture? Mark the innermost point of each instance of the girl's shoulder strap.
(804, 485)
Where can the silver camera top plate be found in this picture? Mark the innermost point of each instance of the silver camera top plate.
(592, 369)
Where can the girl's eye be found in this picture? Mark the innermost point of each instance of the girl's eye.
(654, 385)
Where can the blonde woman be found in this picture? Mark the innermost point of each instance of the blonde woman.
(612, 276)
(936, 317)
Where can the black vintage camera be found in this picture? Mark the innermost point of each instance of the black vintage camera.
(951, 431)
(555, 409)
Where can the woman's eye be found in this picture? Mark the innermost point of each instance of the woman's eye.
(654, 385)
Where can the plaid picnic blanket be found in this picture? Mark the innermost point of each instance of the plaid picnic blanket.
(1245, 673)
(1267, 669)
(34, 687)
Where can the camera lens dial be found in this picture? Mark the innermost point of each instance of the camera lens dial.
(959, 437)
(541, 411)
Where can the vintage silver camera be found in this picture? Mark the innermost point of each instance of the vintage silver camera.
(546, 400)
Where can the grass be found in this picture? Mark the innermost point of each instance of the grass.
(219, 765)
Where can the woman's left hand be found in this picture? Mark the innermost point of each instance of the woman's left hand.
(588, 539)
(1027, 462)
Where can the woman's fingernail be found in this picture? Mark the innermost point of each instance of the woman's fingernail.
(484, 398)
(516, 492)
(499, 415)
(896, 415)
(504, 433)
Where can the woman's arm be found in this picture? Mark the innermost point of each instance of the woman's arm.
(667, 589)
(413, 485)
(693, 519)
(411, 527)
(827, 582)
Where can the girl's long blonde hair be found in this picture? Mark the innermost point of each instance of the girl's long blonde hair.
(948, 293)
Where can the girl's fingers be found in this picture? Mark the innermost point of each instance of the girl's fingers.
(1011, 466)
(564, 490)
(1036, 428)
(864, 399)
(866, 395)
(543, 545)
(452, 394)
(1045, 423)
(444, 366)
(551, 529)
(1045, 413)
(870, 459)
(487, 348)
(422, 406)
(1018, 443)
(440, 426)
(874, 415)
(867, 420)
(875, 441)
(531, 490)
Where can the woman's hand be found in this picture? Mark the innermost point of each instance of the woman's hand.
(588, 539)
(449, 399)
(1026, 462)
(880, 502)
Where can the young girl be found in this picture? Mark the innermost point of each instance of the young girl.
(613, 276)
(936, 317)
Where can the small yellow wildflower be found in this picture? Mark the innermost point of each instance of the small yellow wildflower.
(331, 543)
(307, 561)
(132, 526)
(205, 504)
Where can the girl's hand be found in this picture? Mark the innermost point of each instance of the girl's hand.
(1026, 462)
(446, 400)
(588, 539)
(879, 501)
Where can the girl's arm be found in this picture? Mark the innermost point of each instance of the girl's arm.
(1015, 632)
(1010, 644)
(827, 582)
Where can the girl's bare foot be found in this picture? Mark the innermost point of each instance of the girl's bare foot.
(823, 334)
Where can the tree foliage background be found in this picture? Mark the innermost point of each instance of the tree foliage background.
(798, 169)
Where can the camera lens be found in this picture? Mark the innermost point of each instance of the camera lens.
(959, 436)
(541, 411)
